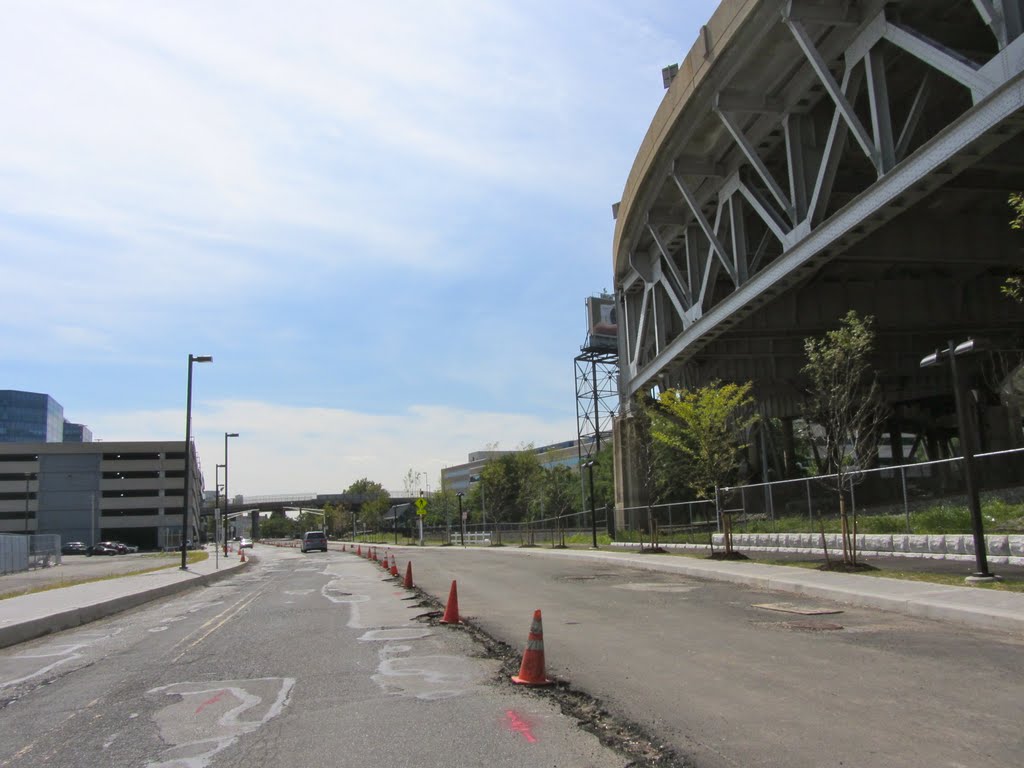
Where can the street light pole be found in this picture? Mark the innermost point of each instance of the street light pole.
(463, 519)
(185, 506)
(593, 511)
(216, 513)
(226, 436)
(967, 448)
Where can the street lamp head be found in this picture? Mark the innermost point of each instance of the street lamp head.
(929, 360)
(460, 494)
(200, 358)
(230, 434)
(972, 345)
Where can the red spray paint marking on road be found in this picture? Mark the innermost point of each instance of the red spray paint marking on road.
(214, 700)
(518, 724)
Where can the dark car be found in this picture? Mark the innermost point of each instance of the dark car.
(314, 540)
(74, 548)
(102, 548)
(123, 548)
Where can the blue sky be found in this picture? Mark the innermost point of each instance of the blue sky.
(381, 219)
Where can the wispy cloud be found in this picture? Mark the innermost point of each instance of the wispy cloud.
(287, 448)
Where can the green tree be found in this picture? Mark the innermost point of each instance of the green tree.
(373, 502)
(511, 482)
(1014, 285)
(442, 507)
(560, 491)
(277, 527)
(709, 428)
(844, 402)
(642, 453)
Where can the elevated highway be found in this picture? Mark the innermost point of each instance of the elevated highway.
(812, 157)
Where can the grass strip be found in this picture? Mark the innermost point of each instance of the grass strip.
(193, 557)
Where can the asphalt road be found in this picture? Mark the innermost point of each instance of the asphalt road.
(300, 660)
(699, 666)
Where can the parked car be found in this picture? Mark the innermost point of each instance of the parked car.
(102, 548)
(74, 548)
(244, 542)
(125, 548)
(314, 540)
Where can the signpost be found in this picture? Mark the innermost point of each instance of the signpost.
(421, 511)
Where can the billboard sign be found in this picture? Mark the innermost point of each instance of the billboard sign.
(601, 320)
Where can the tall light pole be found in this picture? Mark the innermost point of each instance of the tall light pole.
(226, 497)
(966, 446)
(593, 512)
(462, 518)
(216, 511)
(185, 508)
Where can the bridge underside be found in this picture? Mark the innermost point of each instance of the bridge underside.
(813, 157)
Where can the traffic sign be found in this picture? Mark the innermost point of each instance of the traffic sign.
(421, 506)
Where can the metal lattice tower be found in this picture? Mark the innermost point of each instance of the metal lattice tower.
(597, 397)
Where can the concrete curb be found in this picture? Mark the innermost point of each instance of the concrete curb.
(57, 622)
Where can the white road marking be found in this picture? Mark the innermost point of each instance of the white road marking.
(211, 716)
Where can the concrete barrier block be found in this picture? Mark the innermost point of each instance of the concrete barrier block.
(875, 542)
(968, 545)
(955, 545)
(718, 539)
(808, 540)
(900, 543)
(998, 546)
(917, 544)
(937, 544)
(1016, 545)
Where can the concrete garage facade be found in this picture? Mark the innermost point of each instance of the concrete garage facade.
(127, 491)
(812, 157)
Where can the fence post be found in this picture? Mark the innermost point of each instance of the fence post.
(718, 512)
(906, 506)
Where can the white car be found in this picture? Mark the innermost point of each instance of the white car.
(244, 542)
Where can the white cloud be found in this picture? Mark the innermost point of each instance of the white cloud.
(282, 449)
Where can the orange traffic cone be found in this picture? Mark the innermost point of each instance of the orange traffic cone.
(531, 671)
(384, 563)
(394, 566)
(408, 575)
(241, 555)
(451, 611)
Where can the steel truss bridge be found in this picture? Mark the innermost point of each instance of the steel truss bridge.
(810, 157)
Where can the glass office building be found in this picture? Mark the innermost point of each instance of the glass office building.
(76, 433)
(30, 417)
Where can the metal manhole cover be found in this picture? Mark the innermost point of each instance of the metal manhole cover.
(792, 608)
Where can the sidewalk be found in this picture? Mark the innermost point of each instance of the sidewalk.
(33, 615)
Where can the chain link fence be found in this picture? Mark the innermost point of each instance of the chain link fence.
(896, 499)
